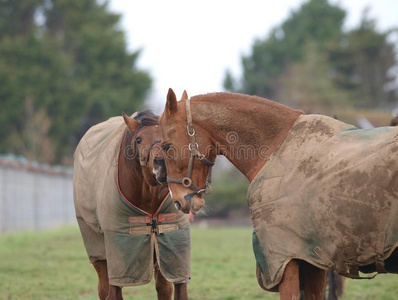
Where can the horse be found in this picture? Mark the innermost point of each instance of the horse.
(323, 194)
(127, 220)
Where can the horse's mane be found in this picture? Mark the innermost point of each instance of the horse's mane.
(220, 96)
(223, 95)
(146, 118)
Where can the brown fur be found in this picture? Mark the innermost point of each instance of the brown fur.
(215, 117)
(225, 112)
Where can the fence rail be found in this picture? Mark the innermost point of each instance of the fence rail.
(34, 196)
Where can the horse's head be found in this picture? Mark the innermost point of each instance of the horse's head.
(144, 143)
(188, 152)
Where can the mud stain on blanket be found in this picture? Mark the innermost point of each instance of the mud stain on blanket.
(327, 195)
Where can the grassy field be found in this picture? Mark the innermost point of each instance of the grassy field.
(53, 265)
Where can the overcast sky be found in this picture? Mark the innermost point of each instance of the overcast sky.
(189, 44)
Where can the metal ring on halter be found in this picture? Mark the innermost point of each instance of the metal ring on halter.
(202, 191)
(196, 146)
(208, 189)
(186, 182)
(191, 133)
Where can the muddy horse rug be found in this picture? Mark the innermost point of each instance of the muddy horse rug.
(328, 195)
(114, 229)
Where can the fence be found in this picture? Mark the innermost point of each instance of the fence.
(34, 196)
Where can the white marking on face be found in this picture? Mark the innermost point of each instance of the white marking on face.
(156, 172)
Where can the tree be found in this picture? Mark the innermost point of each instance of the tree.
(309, 83)
(363, 60)
(69, 58)
(348, 68)
(229, 82)
(316, 20)
(228, 193)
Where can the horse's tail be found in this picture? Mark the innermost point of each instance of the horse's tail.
(336, 285)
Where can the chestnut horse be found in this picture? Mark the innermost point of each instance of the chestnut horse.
(196, 130)
(139, 148)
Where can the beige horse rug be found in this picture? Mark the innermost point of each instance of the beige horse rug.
(114, 229)
(328, 195)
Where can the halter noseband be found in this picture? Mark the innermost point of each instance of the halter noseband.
(194, 153)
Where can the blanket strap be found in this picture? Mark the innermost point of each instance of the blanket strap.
(379, 263)
(148, 225)
(324, 257)
(148, 230)
(353, 268)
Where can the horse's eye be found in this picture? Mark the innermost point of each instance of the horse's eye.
(138, 140)
(166, 147)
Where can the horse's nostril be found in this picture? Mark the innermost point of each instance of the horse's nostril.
(158, 160)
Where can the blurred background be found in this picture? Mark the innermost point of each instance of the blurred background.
(66, 65)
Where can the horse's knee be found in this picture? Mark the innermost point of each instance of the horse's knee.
(180, 291)
(164, 288)
(314, 281)
(115, 293)
(289, 287)
(103, 281)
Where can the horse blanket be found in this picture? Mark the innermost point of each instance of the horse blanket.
(328, 195)
(114, 229)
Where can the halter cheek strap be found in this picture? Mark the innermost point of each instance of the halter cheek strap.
(194, 153)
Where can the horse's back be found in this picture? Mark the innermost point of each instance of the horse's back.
(95, 164)
(328, 195)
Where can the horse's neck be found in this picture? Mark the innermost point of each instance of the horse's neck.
(136, 190)
(246, 130)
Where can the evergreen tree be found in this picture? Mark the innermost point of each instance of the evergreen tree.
(68, 59)
(355, 67)
(316, 20)
(308, 84)
(363, 60)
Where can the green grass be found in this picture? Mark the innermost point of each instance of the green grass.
(53, 265)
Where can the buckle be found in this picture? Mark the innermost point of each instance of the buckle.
(208, 189)
(186, 182)
(154, 225)
(190, 146)
(189, 132)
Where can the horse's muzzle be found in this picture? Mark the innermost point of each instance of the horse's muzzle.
(159, 169)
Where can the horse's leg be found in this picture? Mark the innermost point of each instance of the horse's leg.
(314, 282)
(289, 287)
(332, 295)
(181, 291)
(115, 293)
(163, 287)
(103, 282)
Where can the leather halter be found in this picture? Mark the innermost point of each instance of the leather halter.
(194, 153)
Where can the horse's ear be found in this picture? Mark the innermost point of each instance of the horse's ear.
(184, 95)
(131, 123)
(171, 104)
